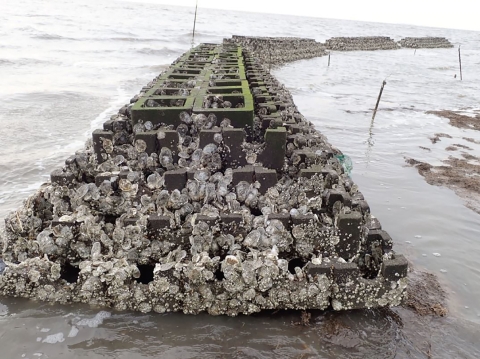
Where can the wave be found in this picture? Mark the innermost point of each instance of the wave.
(27, 62)
(51, 37)
(164, 51)
(6, 62)
(442, 68)
(131, 39)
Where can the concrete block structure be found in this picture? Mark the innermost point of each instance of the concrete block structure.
(208, 192)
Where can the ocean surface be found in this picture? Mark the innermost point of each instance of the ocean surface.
(66, 66)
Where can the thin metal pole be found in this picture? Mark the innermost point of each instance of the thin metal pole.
(194, 23)
(460, 62)
(378, 100)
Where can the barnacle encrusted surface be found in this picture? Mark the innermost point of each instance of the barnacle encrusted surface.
(208, 192)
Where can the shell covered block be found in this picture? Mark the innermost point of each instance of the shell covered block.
(225, 202)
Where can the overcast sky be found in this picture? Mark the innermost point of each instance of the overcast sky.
(456, 14)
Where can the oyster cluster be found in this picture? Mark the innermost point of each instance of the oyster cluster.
(193, 213)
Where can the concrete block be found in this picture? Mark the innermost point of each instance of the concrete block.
(303, 219)
(169, 140)
(70, 224)
(166, 109)
(319, 269)
(303, 156)
(334, 195)
(106, 176)
(310, 172)
(108, 125)
(207, 219)
(98, 137)
(61, 178)
(206, 136)
(233, 139)
(344, 272)
(130, 221)
(232, 223)
(350, 228)
(396, 268)
(150, 139)
(373, 223)
(380, 236)
(282, 217)
(243, 174)
(273, 156)
(266, 177)
(156, 222)
(240, 117)
(176, 179)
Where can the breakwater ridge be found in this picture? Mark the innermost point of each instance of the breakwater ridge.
(210, 192)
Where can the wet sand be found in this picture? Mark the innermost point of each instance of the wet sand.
(462, 173)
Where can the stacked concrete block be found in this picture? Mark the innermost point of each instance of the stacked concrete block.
(365, 43)
(279, 50)
(212, 208)
(425, 42)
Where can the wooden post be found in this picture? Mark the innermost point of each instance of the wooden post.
(194, 23)
(378, 100)
(460, 62)
(328, 59)
(414, 52)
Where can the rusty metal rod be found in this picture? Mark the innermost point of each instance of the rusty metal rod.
(460, 62)
(378, 100)
(194, 23)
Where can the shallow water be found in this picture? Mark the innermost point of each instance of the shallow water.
(67, 66)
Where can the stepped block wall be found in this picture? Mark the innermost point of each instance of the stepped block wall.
(210, 192)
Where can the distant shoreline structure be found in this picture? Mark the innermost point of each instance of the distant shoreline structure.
(267, 47)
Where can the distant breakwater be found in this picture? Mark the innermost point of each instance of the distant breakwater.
(280, 50)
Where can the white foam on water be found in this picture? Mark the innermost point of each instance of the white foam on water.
(96, 320)
(73, 332)
(121, 99)
(45, 330)
(54, 338)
